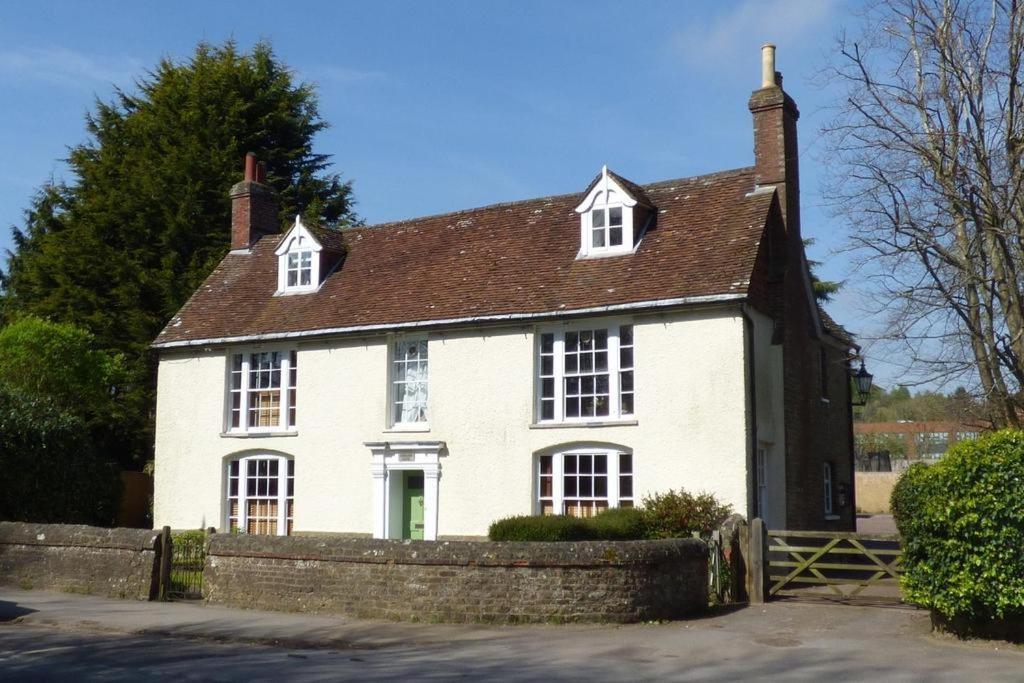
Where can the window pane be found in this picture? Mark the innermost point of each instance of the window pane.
(547, 410)
(626, 486)
(627, 404)
(547, 389)
(572, 363)
(547, 343)
(305, 276)
(547, 365)
(615, 237)
(293, 261)
(597, 218)
(598, 237)
(626, 335)
(615, 216)
(627, 381)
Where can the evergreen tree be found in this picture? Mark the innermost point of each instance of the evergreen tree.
(120, 248)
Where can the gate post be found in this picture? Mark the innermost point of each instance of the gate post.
(756, 560)
(166, 558)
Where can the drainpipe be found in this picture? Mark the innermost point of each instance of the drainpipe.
(748, 331)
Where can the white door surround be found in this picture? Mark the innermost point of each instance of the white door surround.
(394, 458)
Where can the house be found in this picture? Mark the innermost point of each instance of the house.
(566, 354)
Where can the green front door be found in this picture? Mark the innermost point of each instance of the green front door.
(412, 505)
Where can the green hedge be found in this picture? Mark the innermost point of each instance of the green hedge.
(49, 470)
(541, 528)
(962, 523)
(665, 515)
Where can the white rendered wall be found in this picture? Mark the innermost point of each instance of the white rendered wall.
(690, 431)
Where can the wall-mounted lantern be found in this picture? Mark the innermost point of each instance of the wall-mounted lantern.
(862, 379)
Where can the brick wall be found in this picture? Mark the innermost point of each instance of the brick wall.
(119, 563)
(459, 581)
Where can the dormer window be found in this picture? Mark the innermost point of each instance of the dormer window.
(299, 261)
(611, 216)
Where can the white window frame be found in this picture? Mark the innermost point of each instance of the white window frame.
(615, 496)
(605, 195)
(828, 490)
(288, 388)
(615, 370)
(283, 496)
(392, 374)
(298, 241)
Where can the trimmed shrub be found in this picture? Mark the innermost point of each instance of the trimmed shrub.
(962, 522)
(619, 524)
(678, 514)
(540, 528)
(614, 524)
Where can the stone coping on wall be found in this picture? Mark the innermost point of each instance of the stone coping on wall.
(77, 535)
(579, 554)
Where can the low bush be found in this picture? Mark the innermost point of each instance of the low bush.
(540, 528)
(619, 524)
(676, 514)
(664, 515)
(962, 523)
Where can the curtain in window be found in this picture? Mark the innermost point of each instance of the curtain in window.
(411, 382)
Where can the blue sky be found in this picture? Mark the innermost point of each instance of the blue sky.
(447, 105)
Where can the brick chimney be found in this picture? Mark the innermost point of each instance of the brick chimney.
(775, 149)
(253, 206)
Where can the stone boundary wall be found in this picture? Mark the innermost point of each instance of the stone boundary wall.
(459, 581)
(117, 563)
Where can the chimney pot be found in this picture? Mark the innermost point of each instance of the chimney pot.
(250, 166)
(768, 66)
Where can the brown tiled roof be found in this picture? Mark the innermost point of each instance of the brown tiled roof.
(515, 258)
(833, 328)
(332, 240)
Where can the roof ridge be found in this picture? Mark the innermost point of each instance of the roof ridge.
(552, 197)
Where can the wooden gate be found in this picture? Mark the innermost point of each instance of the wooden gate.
(846, 564)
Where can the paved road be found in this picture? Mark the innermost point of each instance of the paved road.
(55, 637)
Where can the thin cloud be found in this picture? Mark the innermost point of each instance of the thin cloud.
(717, 42)
(344, 75)
(62, 67)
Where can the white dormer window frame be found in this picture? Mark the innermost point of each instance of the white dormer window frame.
(298, 261)
(607, 226)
